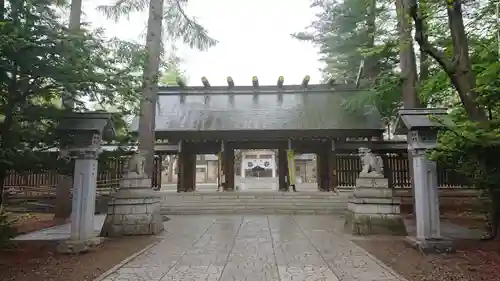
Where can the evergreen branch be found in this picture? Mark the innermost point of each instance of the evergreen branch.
(122, 8)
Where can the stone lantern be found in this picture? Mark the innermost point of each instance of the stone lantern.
(81, 136)
(422, 126)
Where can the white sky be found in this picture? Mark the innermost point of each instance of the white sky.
(254, 39)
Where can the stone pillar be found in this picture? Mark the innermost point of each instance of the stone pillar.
(273, 160)
(228, 158)
(84, 188)
(282, 170)
(428, 238)
(319, 171)
(242, 168)
(83, 208)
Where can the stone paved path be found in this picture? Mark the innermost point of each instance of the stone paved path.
(239, 248)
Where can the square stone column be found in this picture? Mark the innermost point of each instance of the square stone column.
(428, 237)
(84, 196)
(83, 208)
(242, 165)
(273, 172)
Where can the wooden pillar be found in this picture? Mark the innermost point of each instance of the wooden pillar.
(186, 177)
(228, 166)
(320, 159)
(332, 159)
(323, 168)
(282, 170)
(190, 172)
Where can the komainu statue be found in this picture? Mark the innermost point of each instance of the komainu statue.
(136, 164)
(372, 166)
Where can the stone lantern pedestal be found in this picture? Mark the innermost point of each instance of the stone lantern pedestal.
(135, 208)
(81, 135)
(422, 131)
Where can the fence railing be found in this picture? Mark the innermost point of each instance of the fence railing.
(396, 168)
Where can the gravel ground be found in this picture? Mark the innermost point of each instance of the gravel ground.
(38, 260)
(474, 260)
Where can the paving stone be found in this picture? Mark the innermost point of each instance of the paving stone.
(253, 248)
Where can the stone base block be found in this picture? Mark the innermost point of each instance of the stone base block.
(133, 212)
(78, 246)
(372, 182)
(432, 245)
(370, 224)
(135, 183)
(385, 206)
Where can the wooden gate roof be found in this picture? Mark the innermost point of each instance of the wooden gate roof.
(263, 112)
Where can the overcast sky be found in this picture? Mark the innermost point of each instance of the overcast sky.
(254, 39)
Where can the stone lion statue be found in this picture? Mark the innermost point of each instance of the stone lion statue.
(136, 163)
(371, 165)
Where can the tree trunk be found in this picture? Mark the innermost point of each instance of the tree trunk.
(371, 62)
(63, 202)
(407, 57)
(459, 67)
(408, 72)
(150, 84)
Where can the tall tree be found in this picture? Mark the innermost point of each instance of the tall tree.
(39, 60)
(407, 58)
(458, 67)
(177, 26)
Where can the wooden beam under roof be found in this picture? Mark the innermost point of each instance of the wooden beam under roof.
(263, 90)
(205, 82)
(230, 82)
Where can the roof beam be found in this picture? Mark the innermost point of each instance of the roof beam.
(230, 82)
(280, 82)
(205, 82)
(180, 82)
(255, 82)
(305, 81)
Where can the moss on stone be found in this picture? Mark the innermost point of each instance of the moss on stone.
(363, 224)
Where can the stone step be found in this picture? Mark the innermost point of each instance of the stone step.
(296, 206)
(265, 202)
(187, 199)
(255, 197)
(251, 210)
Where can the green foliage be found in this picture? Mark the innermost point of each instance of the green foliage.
(177, 24)
(473, 151)
(39, 61)
(348, 32)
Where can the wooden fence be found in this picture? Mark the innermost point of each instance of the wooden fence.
(109, 176)
(396, 168)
